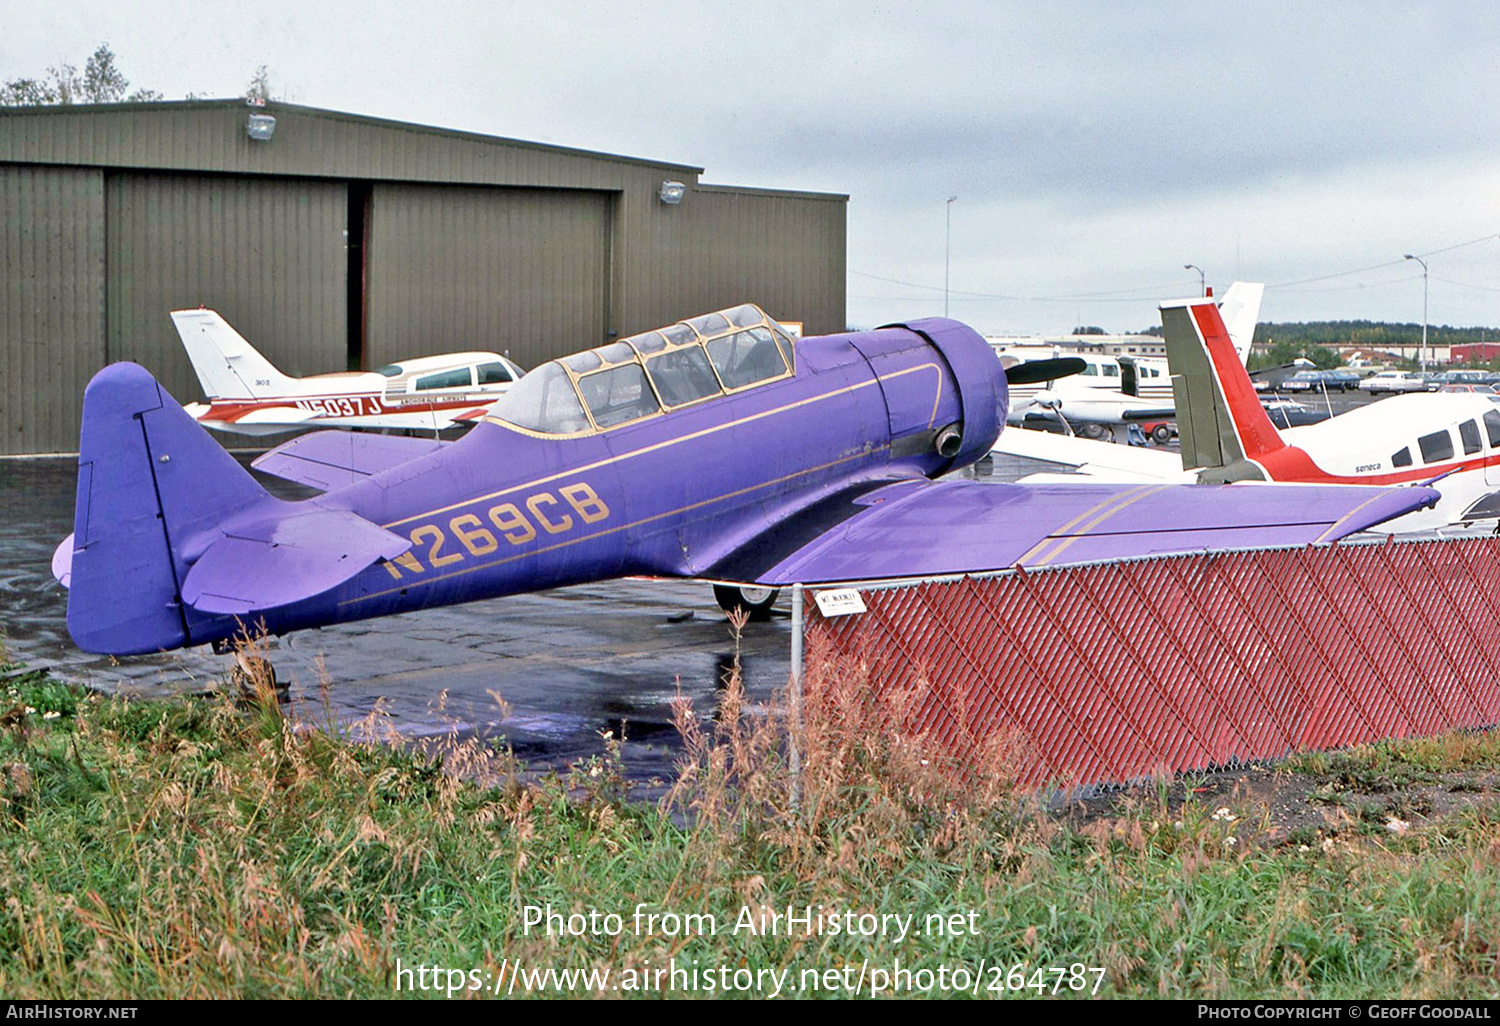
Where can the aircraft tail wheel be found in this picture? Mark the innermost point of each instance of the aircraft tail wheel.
(755, 601)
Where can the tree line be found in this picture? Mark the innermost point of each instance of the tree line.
(100, 81)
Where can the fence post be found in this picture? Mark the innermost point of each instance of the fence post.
(794, 729)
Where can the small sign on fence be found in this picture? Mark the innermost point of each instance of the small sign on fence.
(839, 601)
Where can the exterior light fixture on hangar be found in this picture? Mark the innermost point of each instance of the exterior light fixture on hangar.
(335, 241)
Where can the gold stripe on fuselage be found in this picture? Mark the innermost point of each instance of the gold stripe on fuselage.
(668, 443)
(611, 530)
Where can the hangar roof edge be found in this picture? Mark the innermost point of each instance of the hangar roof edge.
(276, 107)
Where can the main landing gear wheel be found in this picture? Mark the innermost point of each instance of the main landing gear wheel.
(757, 602)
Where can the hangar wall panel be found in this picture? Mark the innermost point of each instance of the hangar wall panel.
(51, 302)
(456, 268)
(268, 254)
(724, 246)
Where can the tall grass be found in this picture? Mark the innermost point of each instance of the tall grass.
(197, 848)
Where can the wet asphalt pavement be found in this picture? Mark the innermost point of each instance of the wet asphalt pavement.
(568, 663)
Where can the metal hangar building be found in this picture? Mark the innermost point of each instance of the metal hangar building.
(335, 241)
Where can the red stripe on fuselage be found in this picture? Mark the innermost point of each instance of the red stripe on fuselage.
(230, 412)
(1292, 464)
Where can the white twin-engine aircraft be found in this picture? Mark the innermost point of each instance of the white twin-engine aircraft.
(249, 396)
(1111, 391)
(1450, 441)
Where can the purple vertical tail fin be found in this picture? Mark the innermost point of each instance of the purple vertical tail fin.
(151, 486)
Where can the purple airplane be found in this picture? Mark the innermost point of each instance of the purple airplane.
(716, 448)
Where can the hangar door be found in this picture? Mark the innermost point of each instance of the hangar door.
(51, 293)
(268, 254)
(456, 268)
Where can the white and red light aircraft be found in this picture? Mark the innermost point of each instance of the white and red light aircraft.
(1450, 440)
(249, 396)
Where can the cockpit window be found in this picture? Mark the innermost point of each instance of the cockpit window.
(390, 370)
(747, 316)
(1436, 447)
(618, 394)
(679, 334)
(710, 324)
(1402, 458)
(683, 376)
(640, 376)
(544, 401)
(1468, 433)
(616, 352)
(1492, 427)
(650, 342)
(746, 357)
(458, 378)
(583, 362)
(494, 374)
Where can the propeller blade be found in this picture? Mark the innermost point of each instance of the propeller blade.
(1043, 370)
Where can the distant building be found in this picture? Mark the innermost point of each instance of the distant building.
(1476, 352)
(1104, 345)
(336, 241)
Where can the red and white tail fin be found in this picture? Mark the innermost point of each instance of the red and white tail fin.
(1219, 416)
(227, 366)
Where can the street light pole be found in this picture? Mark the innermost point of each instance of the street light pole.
(1424, 308)
(948, 254)
(1202, 279)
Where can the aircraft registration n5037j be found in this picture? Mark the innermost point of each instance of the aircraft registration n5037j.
(716, 448)
(247, 395)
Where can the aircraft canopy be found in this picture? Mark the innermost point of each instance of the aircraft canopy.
(649, 374)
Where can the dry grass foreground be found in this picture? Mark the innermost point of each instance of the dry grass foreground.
(193, 848)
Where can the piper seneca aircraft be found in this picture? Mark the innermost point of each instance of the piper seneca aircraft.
(1450, 440)
(716, 448)
(249, 396)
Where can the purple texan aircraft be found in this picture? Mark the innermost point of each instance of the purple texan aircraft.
(717, 448)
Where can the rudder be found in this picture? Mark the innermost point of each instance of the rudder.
(151, 485)
(228, 367)
(1219, 417)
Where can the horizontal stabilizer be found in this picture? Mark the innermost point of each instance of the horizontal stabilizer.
(275, 562)
(62, 562)
(919, 529)
(332, 459)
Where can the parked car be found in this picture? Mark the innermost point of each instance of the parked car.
(1486, 389)
(1304, 381)
(1342, 379)
(1438, 382)
(1288, 413)
(1394, 381)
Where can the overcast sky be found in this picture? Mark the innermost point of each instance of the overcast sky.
(1095, 148)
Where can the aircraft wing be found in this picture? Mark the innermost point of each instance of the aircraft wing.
(921, 528)
(332, 459)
